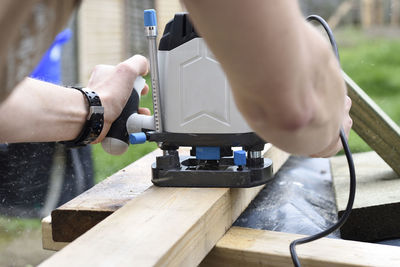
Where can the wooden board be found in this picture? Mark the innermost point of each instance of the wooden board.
(47, 236)
(376, 210)
(249, 247)
(341, 11)
(83, 212)
(162, 226)
(374, 126)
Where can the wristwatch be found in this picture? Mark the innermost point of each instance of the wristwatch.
(94, 122)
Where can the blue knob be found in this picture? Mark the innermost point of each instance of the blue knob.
(208, 152)
(137, 138)
(239, 157)
(150, 18)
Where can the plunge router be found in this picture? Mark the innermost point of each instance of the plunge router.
(193, 107)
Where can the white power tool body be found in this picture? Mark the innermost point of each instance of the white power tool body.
(195, 107)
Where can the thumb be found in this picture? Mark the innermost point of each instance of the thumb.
(127, 71)
(140, 63)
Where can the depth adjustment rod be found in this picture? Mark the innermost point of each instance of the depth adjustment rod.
(150, 26)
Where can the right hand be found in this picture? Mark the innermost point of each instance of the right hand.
(114, 85)
(336, 146)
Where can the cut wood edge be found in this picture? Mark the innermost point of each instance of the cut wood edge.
(47, 236)
(250, 247)
(161, 227)
(78, 215)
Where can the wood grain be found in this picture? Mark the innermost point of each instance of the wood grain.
(162, 226)
(80, 214)
(376, 210)
(250, 247)
(374, 126)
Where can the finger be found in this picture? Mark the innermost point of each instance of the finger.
(330, 151)
(144, 111)
(334, 150)
(347, 103)
(127, 71)
(138, 63)
(145, 90)
(348, 123)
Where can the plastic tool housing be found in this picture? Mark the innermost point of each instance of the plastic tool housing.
(198, 111)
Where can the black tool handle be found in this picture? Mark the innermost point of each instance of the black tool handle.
(118, 128)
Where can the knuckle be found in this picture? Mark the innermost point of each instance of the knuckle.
(139, 57)
(142, 62)
(348, 102)
(96, 68)
(126, 68)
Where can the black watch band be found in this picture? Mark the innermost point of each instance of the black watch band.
(94, 122)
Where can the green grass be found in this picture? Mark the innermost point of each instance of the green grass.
(373, 62)
(11, 227)
(106, 164)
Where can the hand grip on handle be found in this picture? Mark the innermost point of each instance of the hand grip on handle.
(117, 140)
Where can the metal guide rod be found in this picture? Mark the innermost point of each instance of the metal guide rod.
(150, 25)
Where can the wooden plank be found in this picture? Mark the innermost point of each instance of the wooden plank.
(374, 126)
(342, 10)
(251, 247)
(379, 12)
(47, 236)
(394, 13)
(162, 226)
(376, 210)
(86, 210)
(366, 13)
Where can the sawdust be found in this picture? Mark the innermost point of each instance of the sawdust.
(24, 250)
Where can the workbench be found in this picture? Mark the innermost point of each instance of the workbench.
(137, 224)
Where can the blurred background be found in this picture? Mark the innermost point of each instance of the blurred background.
(107, 32)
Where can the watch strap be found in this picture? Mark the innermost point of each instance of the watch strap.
(94, 121)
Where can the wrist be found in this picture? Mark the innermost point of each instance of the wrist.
(94, 122)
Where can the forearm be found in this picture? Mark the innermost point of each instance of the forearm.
(40, 112)
(284, 77)
(37, 111)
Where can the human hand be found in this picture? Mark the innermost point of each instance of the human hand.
(114, 85)
(336, 146)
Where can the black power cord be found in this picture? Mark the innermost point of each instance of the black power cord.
(346, 148)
